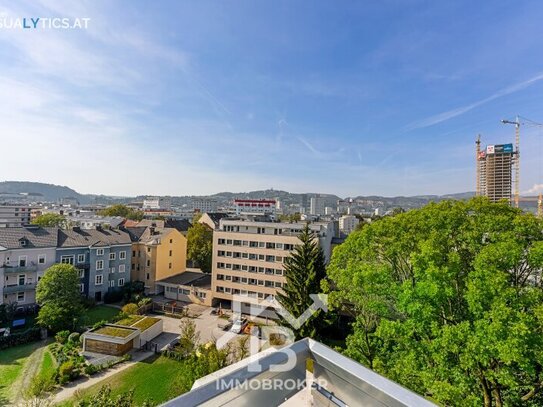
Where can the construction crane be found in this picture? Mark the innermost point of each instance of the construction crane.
(517, 123)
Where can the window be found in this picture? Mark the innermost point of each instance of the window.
(81, 258)
(112, 283)
(121, 268)
(112, 269)
(148, 250)
(67, 259)
(170, 253)
(148, 263)
(112, 256)
(171, 241)
(99, 252)
(22, 261)
(22, 279)
(21, 297)
(148, 276)
(133, 254)
(81, 273)
(170, 265)
(81, 288)
(121, 282)
(42, 259)
(98, 280)
(122, 255)
(261, 244)
(99, 264)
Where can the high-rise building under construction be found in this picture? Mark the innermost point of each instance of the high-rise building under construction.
(494, 171)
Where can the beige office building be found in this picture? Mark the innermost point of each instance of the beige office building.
(248, 257)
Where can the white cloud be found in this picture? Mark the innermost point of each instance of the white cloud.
(535, 189)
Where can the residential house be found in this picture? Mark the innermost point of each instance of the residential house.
(25, 253)
(157, 253)
(212, 219)
(102, 257)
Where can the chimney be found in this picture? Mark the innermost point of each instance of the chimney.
(76, 229)
(99, 227)
(152, 230)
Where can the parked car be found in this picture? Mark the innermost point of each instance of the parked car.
(239, 325)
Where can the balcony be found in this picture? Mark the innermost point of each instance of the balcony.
(14, 288)
(20, 269)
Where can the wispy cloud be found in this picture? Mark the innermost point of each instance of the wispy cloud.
(441, 117)
(537, 188)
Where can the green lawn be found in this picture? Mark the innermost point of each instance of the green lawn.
(48, 366)
(99, 313)
(12, 362)
(157, 379)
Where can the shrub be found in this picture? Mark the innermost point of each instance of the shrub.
(90, 369)
(113, 296)
(74, 338)
(130, 309)
(20, 338)
(67, 372)
(62, 337)
(99, 324)
(38, 386)
(144, 301)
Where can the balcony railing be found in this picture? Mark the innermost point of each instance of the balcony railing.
(20, 269)
(14, 288)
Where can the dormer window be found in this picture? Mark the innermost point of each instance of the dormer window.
(23, 242)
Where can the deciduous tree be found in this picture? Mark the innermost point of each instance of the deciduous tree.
(448, 301)
(50, 220)
(200, 245)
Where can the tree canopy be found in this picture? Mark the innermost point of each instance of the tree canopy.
(123, 211)
(448, 301)
(200, 245)
(304, 269)
(50, 220)
(59, 297)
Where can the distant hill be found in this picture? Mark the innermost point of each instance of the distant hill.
(53, 193)
(40, 191)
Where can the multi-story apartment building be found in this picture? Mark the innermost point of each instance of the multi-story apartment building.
(157, 253)
(248, 257)
(348, 223)
(102, 257)
(204, 205)
(162, 202)
(25, 253)
(13, 216)
(316, 206)
(253, 206)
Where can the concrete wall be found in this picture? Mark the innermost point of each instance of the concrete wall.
(151, 333)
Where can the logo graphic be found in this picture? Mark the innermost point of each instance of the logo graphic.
(320, 301)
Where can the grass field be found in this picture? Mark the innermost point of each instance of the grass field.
(99, 313)
(153, 379)
(12, 363)
(48, 366)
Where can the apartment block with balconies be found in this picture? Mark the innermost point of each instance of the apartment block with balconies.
(248, 257)
(25, 254)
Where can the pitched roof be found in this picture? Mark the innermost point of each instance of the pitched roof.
(181, 225)
(10, 238)
(92, 237)
(194, 278)
(135, 232)
(216, 217)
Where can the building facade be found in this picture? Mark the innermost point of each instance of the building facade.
(13, 216)
(101, 256)
(316, 206)
(157, 253)
(348, 223)
(253, 206)
(164, 203)
(248, 257)
(494, 171)
(204, 205)
(25, 253)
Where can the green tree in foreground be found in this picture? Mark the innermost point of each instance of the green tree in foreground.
(59, 297)
(105, 398)
(123, 211)
(50, 220)
(200, 245)
(304, 269)
(448, 301)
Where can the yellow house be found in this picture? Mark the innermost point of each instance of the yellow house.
(157, 253)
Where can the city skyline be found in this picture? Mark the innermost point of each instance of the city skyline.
(197, 98)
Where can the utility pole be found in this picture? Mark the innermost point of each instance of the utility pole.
(517, 158)
(477, 166)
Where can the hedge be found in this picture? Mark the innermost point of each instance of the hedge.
(20, 338)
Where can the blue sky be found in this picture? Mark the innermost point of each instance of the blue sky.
(351, 98)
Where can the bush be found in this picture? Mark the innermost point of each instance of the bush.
(144, 301)
(99, 324)
(74, 338)
(130, 309)
(39, 385)
(67, 372)
(88, 302)
(62, 337)
(90, 369)
(30, 335)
